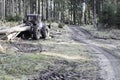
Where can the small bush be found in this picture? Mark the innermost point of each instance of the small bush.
(50, 20)
(9, 18)
(108, 15)
(14, 18)
(18, 18)
(61, 25)
(117, 18)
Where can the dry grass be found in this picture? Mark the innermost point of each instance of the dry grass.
(65, 56)
(8, 24)
(106, 34)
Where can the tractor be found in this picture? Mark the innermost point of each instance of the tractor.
(37, 28)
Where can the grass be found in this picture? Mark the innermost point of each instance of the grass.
(8, 24)
(107, 34)
(73, 49)
(17, 66)
(21, 67)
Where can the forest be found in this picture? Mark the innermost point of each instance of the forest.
(106, 12)
(59, 39)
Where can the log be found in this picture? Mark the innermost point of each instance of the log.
(12, 36)
(9, 36)
(18, 28)
(10, 33)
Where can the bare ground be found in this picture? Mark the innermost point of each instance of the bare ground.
(105, 50)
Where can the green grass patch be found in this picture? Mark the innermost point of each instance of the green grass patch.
(18, 65)
(8, 24)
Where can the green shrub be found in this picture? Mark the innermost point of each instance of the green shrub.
(18, 18)
(50, 20)
(108, 15)
(14, 18)
(10, 18)
(60, 25)
(117, 18)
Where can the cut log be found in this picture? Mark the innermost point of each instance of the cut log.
(12, 36)
(11, 33)
(18, 28)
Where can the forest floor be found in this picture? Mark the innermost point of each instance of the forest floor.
(103, 33)
(72, 53)
(58, 58)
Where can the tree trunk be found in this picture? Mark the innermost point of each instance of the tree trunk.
(39, 5)
(3, 13)
(13, 6)
(83, 12)
(19, 7)
(47, 9)
(74, 17)
(95, 15)
(42, 10)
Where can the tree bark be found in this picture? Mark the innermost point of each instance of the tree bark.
(42, 9)
(13, 6)
(95, 15)
(39, 5)
(47, 9)
(83, 12)
(18, 28)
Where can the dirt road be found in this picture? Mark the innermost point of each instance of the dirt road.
(107, 53)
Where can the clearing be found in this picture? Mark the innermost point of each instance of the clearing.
(72, 53)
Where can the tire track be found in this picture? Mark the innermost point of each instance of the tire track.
(108, 62)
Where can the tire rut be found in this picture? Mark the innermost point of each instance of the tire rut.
(27, 48)
(105, 57)
(64, 70)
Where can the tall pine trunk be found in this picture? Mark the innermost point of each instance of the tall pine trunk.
(47, 9)
(95, 15)
(42, 9)
(39, 5)
(13, 8)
